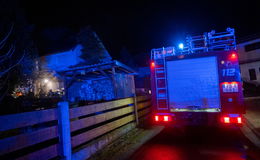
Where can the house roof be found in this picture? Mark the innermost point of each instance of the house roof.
(248, 38)
(98, 70)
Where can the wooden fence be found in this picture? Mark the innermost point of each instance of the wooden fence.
(63, 133)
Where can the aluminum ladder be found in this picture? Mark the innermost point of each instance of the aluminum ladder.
(161, 82)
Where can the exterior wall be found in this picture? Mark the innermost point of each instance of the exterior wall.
(245, 56)
(124, 85)
(143, 81)
(91, 90)
(102, 89)
(249, 60)
(245, 72)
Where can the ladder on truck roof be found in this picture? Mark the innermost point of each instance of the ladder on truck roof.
(211, 41)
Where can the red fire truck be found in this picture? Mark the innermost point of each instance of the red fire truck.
(198, 82)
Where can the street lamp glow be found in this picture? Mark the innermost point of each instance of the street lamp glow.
(45, 80)
(181, 46)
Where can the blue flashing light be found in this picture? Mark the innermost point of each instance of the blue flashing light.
(181, 46)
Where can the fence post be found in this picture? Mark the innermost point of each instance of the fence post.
(136, 109)
(135, 101)
(64, 130)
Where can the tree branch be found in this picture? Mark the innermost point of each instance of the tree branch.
(2, 42)
(8, 54)
(7, 70)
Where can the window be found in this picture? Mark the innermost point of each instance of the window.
(253, 46)
(252, 74)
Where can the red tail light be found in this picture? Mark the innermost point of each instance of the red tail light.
(156, 118)
(152, 64)
(239, 120)
(165, 118)
(162, 118)
(232, 119)
(226, 120)
(233, 56)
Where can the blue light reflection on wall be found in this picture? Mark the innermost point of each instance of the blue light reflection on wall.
(63, 60)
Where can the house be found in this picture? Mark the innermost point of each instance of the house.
(85, 72)
(249, 59)
(143, 81)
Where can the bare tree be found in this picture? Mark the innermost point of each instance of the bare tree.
(7, 61)
(15, 45)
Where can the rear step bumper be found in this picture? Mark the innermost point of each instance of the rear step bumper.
(195, 118)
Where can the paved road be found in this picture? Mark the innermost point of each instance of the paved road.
(197, 144)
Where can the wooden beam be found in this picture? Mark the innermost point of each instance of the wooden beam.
(144, 104)
(89, 67)
(11, 144)
(144, 112)
(89, 121)
(64, 130)
(20, 120)
(68, 84)
(125, 67)
(91, 134)
(143, 98)
(43, 154)
(101, 142)
(105, 74)
(114, 82)
(89, 109)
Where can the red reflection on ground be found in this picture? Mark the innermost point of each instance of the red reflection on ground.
(159, 152)
(193, 144)
(168, 152)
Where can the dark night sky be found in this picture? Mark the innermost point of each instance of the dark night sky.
(143, 25)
